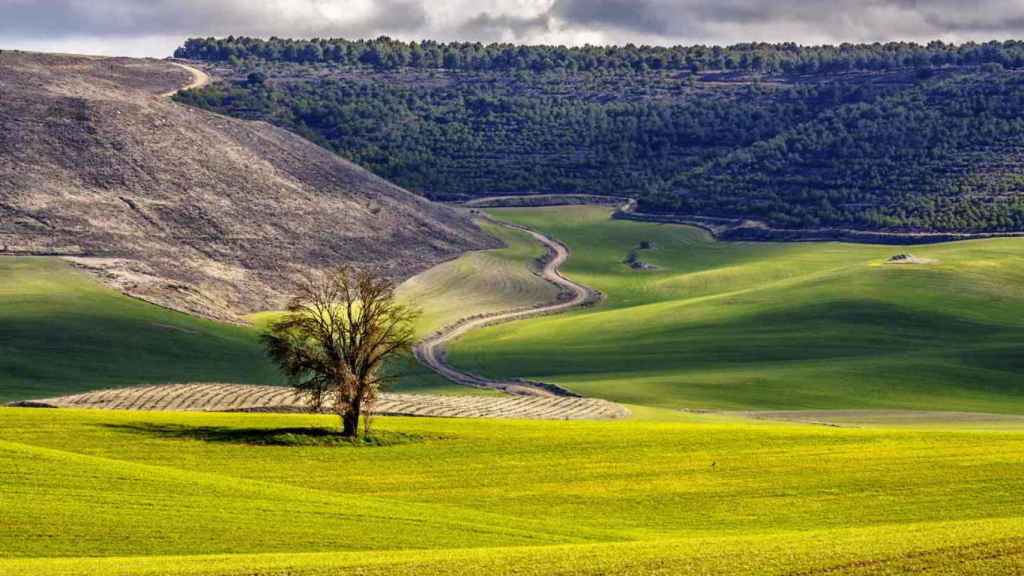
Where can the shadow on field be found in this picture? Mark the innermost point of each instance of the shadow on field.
(266, 436)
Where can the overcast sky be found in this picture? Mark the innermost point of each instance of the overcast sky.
(156, 27)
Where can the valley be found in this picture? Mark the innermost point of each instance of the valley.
(731, 484)
(579, 394)
(769, 325)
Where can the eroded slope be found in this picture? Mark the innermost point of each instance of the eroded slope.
(185, 208)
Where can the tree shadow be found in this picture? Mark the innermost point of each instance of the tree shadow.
(267, 436)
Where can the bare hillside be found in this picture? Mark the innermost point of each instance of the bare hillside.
(186, 208)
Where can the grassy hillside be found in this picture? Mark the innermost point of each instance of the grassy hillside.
(480, 282)
(735, 325)
(720, 325)
(194, 493)
(63, 332)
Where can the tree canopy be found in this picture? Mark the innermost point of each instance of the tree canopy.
(334, 338)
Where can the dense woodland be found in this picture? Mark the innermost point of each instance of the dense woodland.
(882, 136)
(946, 156)
(385, 53)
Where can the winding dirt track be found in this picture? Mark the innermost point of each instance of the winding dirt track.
(249, 398)
(199, 79)
(431, 351)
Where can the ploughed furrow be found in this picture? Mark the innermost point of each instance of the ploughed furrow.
(246, 398)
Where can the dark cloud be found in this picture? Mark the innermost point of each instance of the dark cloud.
(486, 26)
(647, 16)
(128, 25)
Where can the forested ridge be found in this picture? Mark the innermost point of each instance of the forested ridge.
(882, 136)
(386, 53)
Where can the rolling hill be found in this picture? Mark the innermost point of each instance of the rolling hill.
(64, 332)
(726, 325)
(185, 208)
(129, 493)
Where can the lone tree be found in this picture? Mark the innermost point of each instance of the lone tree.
(334, 338)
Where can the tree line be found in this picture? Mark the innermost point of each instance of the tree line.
(789, 58)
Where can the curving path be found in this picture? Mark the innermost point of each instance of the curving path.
(199, 79)
(431, 351)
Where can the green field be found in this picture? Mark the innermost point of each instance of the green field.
(100, 492)
(770, 326)
(480, 282)
(724, 326)
(716, 325)
(63, 332)
(475, 283)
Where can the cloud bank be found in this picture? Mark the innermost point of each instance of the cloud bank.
(156, 27)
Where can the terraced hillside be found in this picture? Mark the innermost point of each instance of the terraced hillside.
(704, 324)
(882, 136)
(90, 492)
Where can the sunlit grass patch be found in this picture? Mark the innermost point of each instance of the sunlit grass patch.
(770, 325)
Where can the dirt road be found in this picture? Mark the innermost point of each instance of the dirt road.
(432, 353)
(199, 79)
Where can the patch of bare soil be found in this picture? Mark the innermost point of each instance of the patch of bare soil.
(188, 209)
(247, 398)
(910, 259)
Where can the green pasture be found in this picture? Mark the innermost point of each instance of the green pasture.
(770, 325)
(480, 282)
(722, 326)
(62, 332)
(102, 492)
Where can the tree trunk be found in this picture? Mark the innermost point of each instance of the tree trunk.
(350, 422)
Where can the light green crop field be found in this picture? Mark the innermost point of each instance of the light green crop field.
(770, 326)
(475, 283)
(725, 326)
(107, 493)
